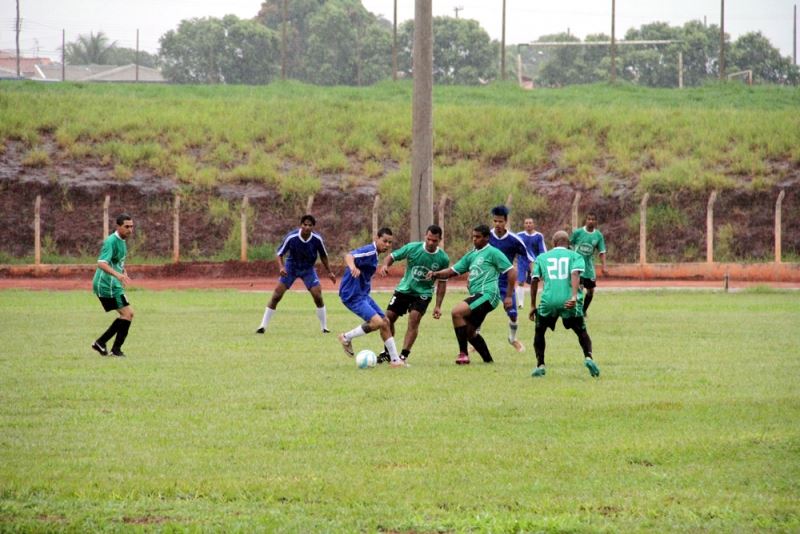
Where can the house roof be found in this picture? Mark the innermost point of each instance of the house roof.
(97, 73)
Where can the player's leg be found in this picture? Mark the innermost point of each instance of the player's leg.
(589, 285)
(109, 304)
(512, 316)
(522, 276)
(322, 313)
(414, 318)
(543, 322)
(578, 325)
(277, 295)
(459, 314)
(398, 306)
(480, 309)
(362, 307)
(125, 318)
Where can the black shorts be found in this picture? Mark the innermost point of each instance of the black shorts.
(479, 313)
(402, 303)
(570, 323)
(588, 283)
(114, 303)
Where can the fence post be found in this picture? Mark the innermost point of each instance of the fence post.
(309, 203)
(176, 229)
(710, 227)
(375, 206)
(37, 230)
(509, 200)
(778, 205)
(680, 69)
(245, 202)
(575, 209)
(442, 205)
(643, 229)
(106, 205)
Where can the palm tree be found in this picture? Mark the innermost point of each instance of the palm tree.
(89, 49)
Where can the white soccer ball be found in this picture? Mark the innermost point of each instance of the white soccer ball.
(366, 359)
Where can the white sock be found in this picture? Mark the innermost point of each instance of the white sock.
(267, 316)
(392, 348)
(520, 296)
(354, 333)
(322, 315)
(512, 331)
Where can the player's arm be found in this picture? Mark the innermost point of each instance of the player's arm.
(441, 289)
(281, 268)
(534, 291)
(442, 274)
(387, 262)
(350, 261)
(603, 262)
(324, 259)
(106, 268)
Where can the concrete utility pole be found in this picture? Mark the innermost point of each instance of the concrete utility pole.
(457, 9)
(422, 122)
(17, 28)
(722, 40)
(137, 54)
(283, 42)
(503, 46)
(63, 55)
(613, 41)
(794, 36)
(394, 44)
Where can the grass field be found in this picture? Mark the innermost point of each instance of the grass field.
(692, 426)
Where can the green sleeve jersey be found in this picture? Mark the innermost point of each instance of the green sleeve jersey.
(419, 262)
(113, 253)
(555, 269)
(585, 243)
(485, 267)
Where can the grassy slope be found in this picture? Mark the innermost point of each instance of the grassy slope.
(208, 426)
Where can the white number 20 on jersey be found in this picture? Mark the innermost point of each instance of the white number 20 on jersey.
(557, 268)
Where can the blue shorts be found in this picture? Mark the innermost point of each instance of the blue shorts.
(309, 277)
(364, 307)
(502, 283)
(522, 273)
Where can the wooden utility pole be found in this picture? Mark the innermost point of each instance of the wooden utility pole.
(457, 9)
(63, 55)
(283, 42)
(37, 230)
(422, 122)
(394, 44)
(680, 69)
(794, 36)
(106, 207)
(503, 46)
(778, 204)
(17, 27)
(137, 54)
(722, 40)
(613, 41)
(710, 227)
(245, 203)
(643, 229)
(176, 229)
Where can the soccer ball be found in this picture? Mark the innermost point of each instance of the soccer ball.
(366, 359)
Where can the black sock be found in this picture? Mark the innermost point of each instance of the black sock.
(404, 354)
(461, 336)
(585, 341)
(122, 333)
(483, 349)
(539, 344)
(108, 334)
(586, 301)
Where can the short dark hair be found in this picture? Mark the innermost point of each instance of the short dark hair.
(482, 229)
(500, 211)
(308, 217)
(435, 229)
(590, 214)
(384, 231)
(122, 217)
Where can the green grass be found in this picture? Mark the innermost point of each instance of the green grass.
(208, 427)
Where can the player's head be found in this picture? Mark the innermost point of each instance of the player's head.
(590, 221)
(383, 241)
(124, 225)
(480, 236)
(561, 239)
(307, 222)
(500, 218)
(433, 235)
(529, 226)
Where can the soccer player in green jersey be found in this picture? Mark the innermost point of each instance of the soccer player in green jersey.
(485, 264)
(585, 241)
(560, 269)
(413, 294)
(109, 284)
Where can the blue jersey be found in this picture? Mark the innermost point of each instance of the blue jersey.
(534, 244)
(302, 254)
(511, 245)
(366, 260)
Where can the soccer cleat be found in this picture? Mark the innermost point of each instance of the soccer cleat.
(517, 344)
(593, 369)
(100, 348)
(326, 331)
(347, 346)
(118, 353)
(538, 372)
(463, 359)
(260, 330)
(384, 357)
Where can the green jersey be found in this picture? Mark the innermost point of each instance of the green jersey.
(585, 243)
(485, 267)
(113, 253)
(555, 269)
(419, 263)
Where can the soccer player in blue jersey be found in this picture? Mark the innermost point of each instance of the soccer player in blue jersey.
(354, 292)
(301, 248)
(512, 246)
(534, 243)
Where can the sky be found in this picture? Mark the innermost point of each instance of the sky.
(526, 20)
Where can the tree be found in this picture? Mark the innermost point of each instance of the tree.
(298, 16)
(227, 50)
(92, 49)
(561, 65)
(126, 56)
(753, 51)
(463, 53)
